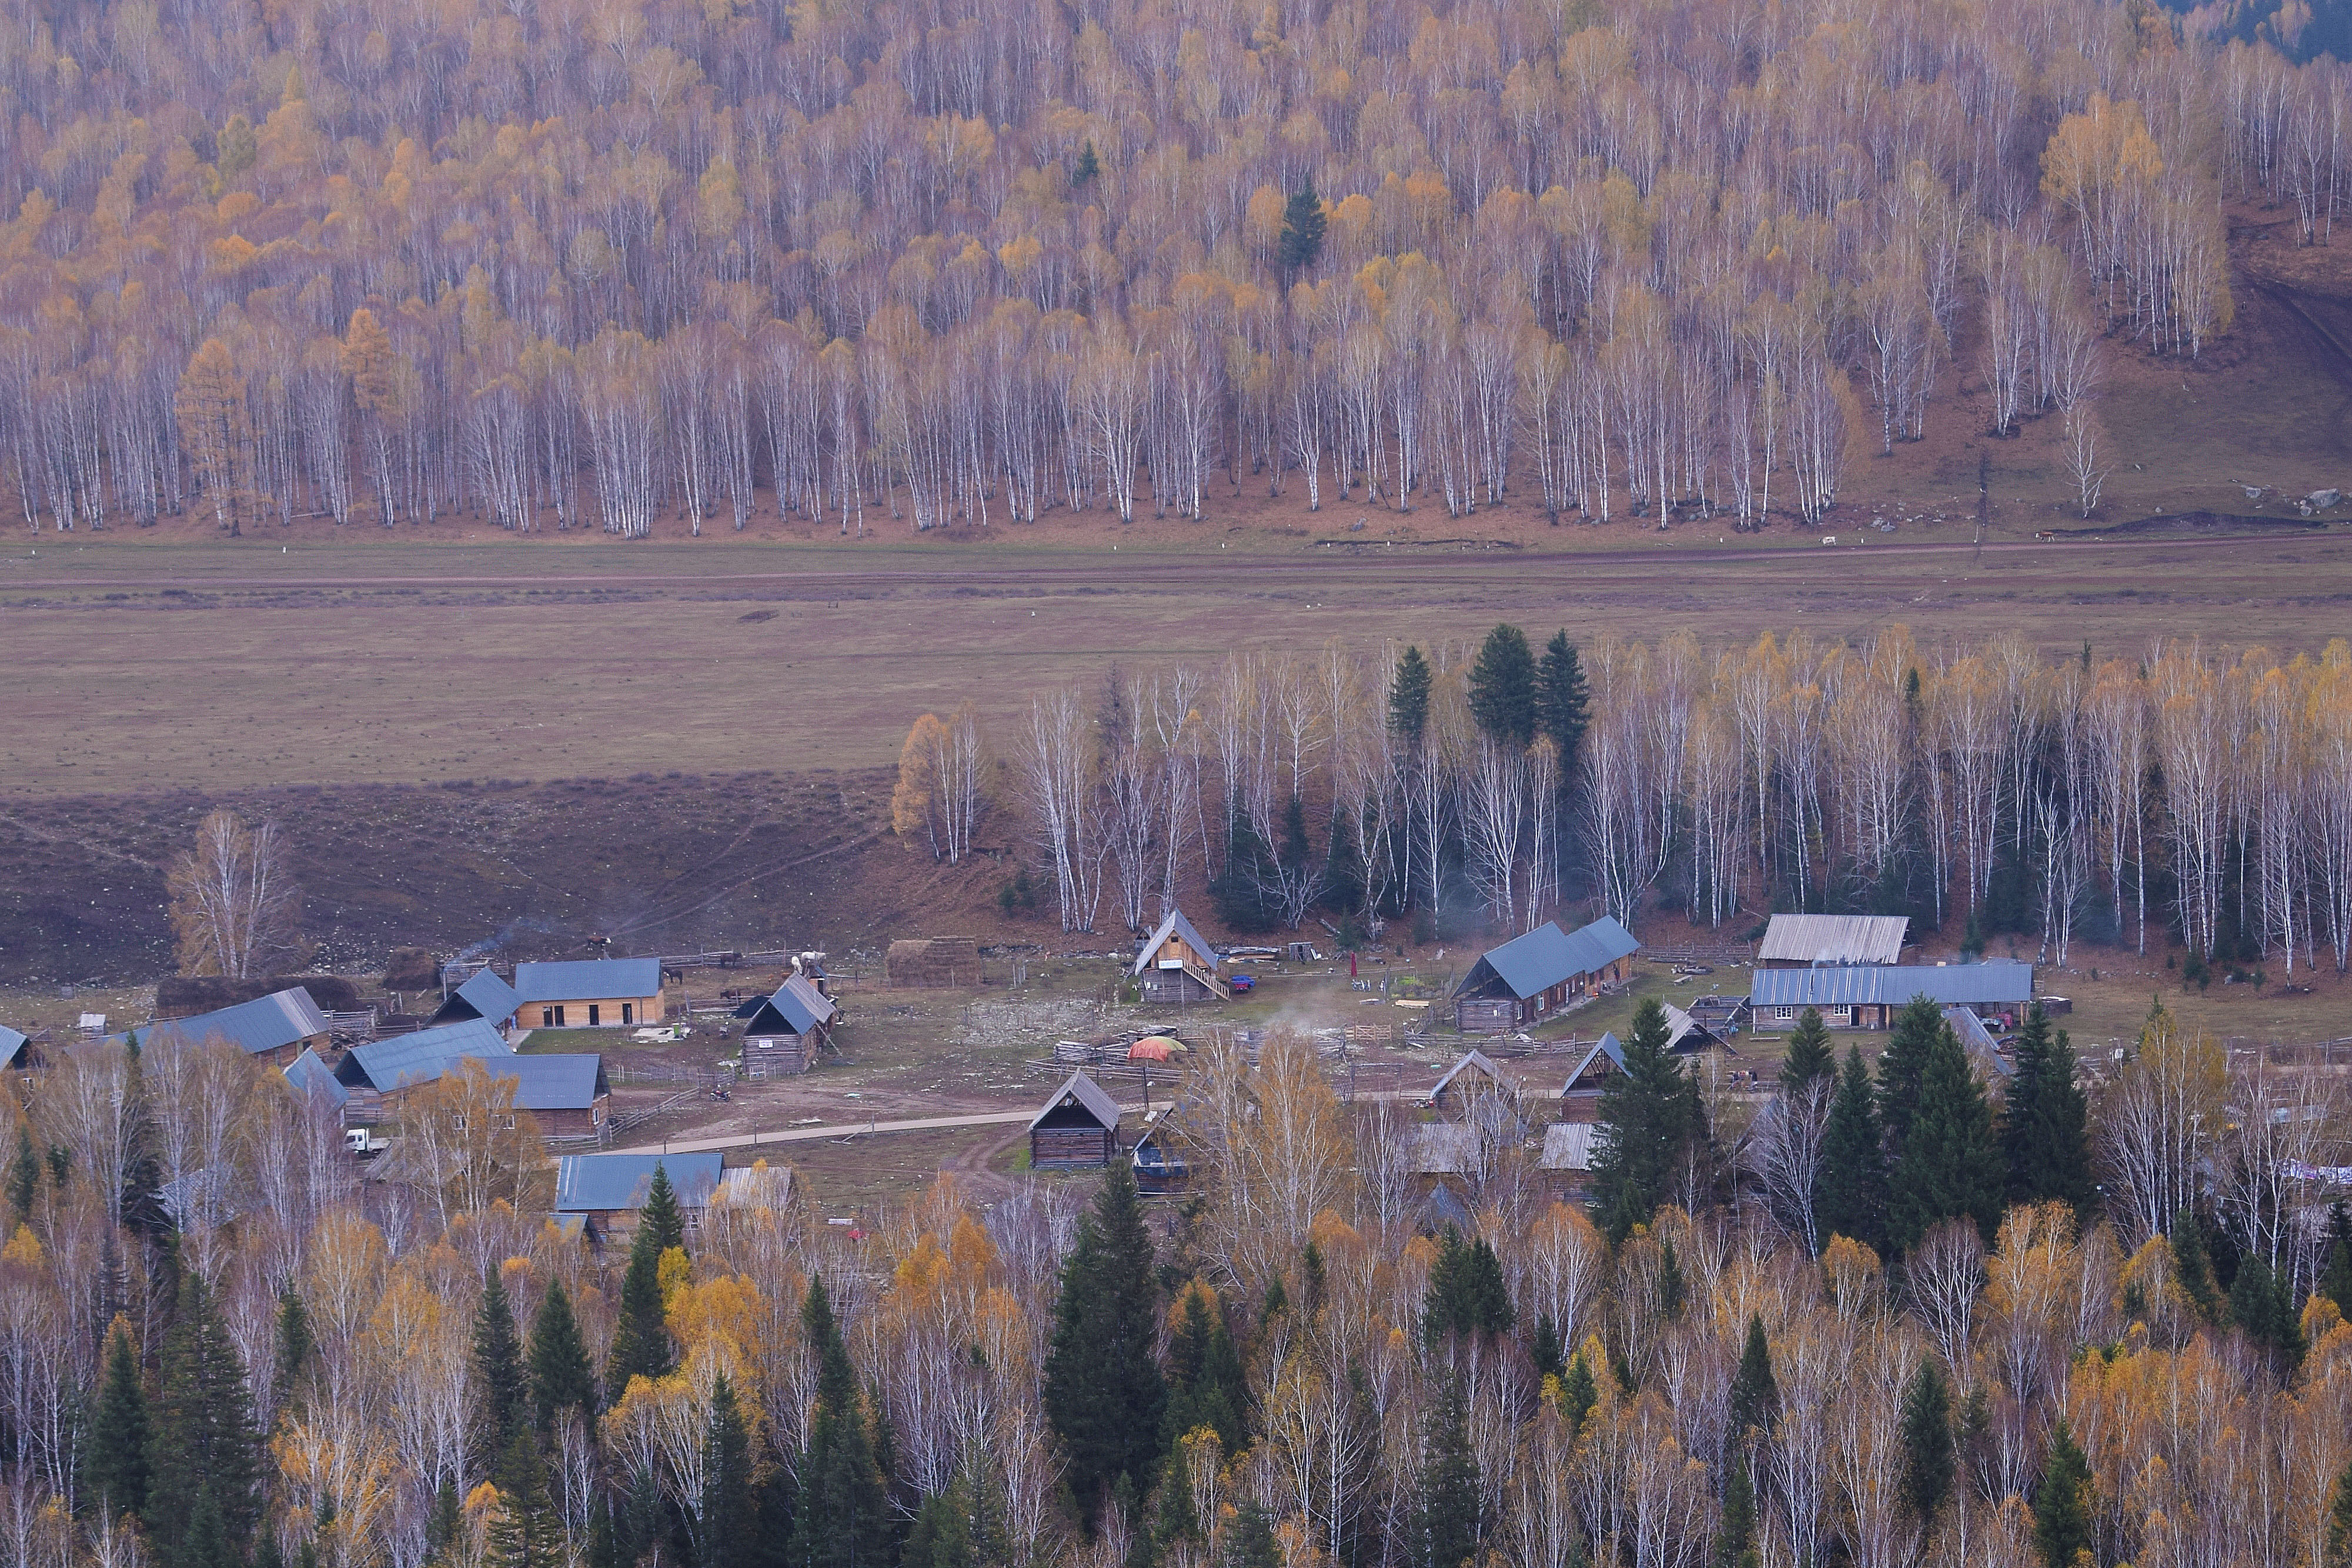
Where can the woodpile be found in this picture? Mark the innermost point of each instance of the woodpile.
(932, 963)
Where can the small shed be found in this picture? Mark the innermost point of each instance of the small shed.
(1593, 1068)
(608, 1191)
(1568, 1147)
(566, 1093)
(485, 997)
(787, 1029)
(1533, 975)
(17, 1052)
(1808, 941)
(1687, 1035)
(590, 993)
(755, 1187)
(1472, 1071)
(1444, 1148)
(932, 963)
(1077, 1129)
(1177, 964)
(1159, 1165)
(275, 1029)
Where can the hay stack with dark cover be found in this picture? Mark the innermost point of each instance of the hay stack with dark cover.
(185, 995)
(932, 963)
(411, 970)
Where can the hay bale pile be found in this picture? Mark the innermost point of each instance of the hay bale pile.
(932, 963)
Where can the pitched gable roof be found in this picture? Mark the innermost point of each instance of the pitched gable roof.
(587, 979)
(1473, 1062)
(264, 1024)
(1608, 1046)
(1532, 964)
(1994, 982)
(311, 1076)
(796, 1008)
(599, 1183)
(1833, 939)
(407, 1060)
(484, 995)
(568, 1082)
(1087, 1093)
(1173, 924)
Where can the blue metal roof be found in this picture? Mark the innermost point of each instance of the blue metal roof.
(263, 1024)
(486, 997)
(1995, 981)
(407, 1060)
(595, 1183)
(570, 1081)
(12, 1040)
(587, 979)
(1533, 964)
(313, 1076)
(797, 1007)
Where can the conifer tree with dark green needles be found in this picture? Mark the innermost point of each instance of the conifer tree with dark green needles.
(118, 1464)
(1089, 166)
(1449, 1528)
(205, 1457)
(1465, 1294)
(296, 1345)
(1652, 1127)
(641, 1342)
(661, 1214)
(526, 1532)
(2045, 1129)
(1563, 703)
(1755, 1391)
(728, 1527)
(2335, 1272)
(1103, 1392)
(1503, 689)
(2338, 1552)
(1902, 1069)
(24, 1177)
(561, 1377)
(1926, 1435)
(841, 1516)
(1409, 698)
(1303, 225)
(2061, 1519)
(505, 1394)
(1850, 1194)
(1950, 1165)
(1206, 1387)
(1810, 1058)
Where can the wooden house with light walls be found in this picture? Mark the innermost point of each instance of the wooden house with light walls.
(1177, 964)
(590, 993)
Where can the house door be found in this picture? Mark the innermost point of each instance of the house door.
(594, 1017)
(629, 1014)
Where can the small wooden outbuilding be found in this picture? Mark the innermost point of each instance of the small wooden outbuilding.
(785, 1031)
(1177, 964)
(1077, 1129)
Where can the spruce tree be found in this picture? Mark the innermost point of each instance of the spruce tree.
(1089, 166)
(1578, 1394)
(1205, 1385)
(2336, 1276)
(1465, 1295)
(2062, 1524)
(296, 1345)
(1563, 702)
(561, 1376)
(205, 1454)
(841, 1514)
(1250, 1540)
(1103, 1392)
(729, 1522)
(1950, 1163)
(1503, 689)
(2045, 1132)
(118, 1464)
(641, 1346)
(1735, 1543)
(497, 1374)
(1409, 698)
(1755, 1392)
(1850, 1195)
(526, 1532)
(2338, 1550)
(1652, 1123)
(941, 1536)
(2263, 1304)
(661, 1214)
(1302, 225)
(442, 1524)
(1810, 1058)
(24, 1178)
(1448, 1520)
(2192, 1267)
(1543, 1350)
(1926, 1435)
(1904, 1068)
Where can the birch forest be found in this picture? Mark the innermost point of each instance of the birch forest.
(590, 264)
(2175, 793)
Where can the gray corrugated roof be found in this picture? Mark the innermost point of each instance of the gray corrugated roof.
(796, 1008)
(1979, 1040)
(585, 1183)
(407, 1060)
(1442, 1148)
(1470, 1060)
(1089, 1092)
(1682, 1026)
(313, 1076)
(490, 997)
(587, 979)
(1533, 964)
(1833, 939)
(1891, 985)
(570, 1082)
(12, 1040)
(265, 1023)
(1568, 1147)
(1176, 925)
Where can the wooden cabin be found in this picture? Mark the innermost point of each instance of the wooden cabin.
(787, 1029)
(1868, 995)
(1177, 965)
(1530, 978)
(484, 995)
(1160, 1163)
(275, 1029)
(590, 993)
(1076, 1130)
(607, 1192)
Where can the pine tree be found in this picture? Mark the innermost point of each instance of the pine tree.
(1904, 1068)
(2192, 1267)
(1926, 1435)
(841, 1516)
(1950, 1165)
(1503, 689)
(1449, 1521)
(1089, 167)
(1652, 1124)
(497, 1374)
(1563, 702)
(1303, 223)
(661, 1214)
(526, 1532)
(294, 1342)
(1755, 1392)
(205, 1454)
(117, 1459)
(1465, 1295)
(24, 1178)
(2045, 1134)
(2062, 1524)
(1578, 1394)
(1849, 1195)
(729, 1524)
(1809, 1056)
(1409, 698)
(1103, 1392)
(1250, 1541)
(1205, 1384)
(561, 1376)
(641, 1346)
(1735, 1543)
(2336, 1278)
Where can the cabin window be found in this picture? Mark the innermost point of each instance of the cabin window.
(595, 1016)
(1784, 1012)
(458, 1120)
(507, 1123)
